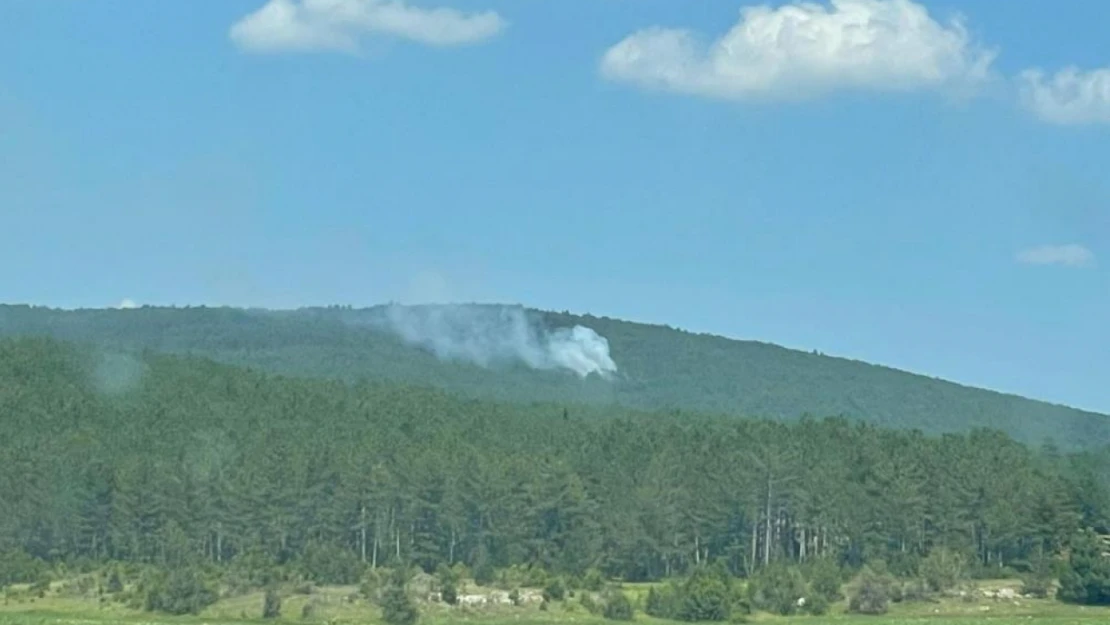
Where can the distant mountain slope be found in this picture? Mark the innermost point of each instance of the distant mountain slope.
(659, 368)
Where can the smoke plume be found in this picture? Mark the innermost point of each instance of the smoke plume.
(488, 335)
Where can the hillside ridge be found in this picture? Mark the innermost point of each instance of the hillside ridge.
(660, 367)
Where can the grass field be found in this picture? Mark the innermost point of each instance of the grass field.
(338, 606)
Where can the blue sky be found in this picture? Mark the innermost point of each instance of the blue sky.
(868, 179)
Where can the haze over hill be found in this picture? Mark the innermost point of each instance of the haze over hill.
(517, 354)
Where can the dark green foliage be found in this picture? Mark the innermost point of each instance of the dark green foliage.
(617, 606)
(371, 586)
(555, 589)
(448, 586)
(825, 580)
(271, 604)
(662, 367)
(181, 591)
(1086, 579)
(943, 569)
(777, 589)
(308, 612)
(872, 593)
(705, 596)
(450, 593)
(18, 567)
(115, 583)
(662, 601)
(330, 564)
(397, 607)
(816, 605)
(514, 597)
(588, 602)
(259, 480)
(485, 574)
(593, 580)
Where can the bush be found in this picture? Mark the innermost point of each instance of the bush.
(617, 606)
(706, 596)
(1086, 578)
(514, 597)
(943, 569)
(271, 604)
(872, 593)
(397, 607)
(587, 601)
(17, 567)
(662, 602)
(824, 579)
(183, 591)
(777, 589)
(913, 590)
(115, 584)
(325, 563)
(593, 580)
(371, 585)
(1037, 580)
(555, 590)
(484, 574)
(309, 610)
(448, 584)
(816, 604)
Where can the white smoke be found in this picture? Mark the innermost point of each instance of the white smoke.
(487, 335)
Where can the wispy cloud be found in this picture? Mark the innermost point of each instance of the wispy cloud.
(340, 25)
(1071, 96)
(1067, 255)
(806, 49)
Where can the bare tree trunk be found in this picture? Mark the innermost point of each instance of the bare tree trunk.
(767, 520)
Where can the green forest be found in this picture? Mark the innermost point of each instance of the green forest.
(661, 369)
(201, 470)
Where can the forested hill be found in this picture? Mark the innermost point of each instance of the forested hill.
(178, 461)
(660, 368)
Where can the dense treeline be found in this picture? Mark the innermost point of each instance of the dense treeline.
(170, 460)
(661, 368)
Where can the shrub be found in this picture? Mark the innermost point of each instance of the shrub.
(115, 584)
(484, 574)
(371, 585)
(662, 601)
(588, 602)
(872, 593)
(1037, 581)
(1086, 578)
(816, 604)
(705, 597)
(448, 584)
(514, 597)
(593, 580)
(943, 569)
(617, 606)
(913, 590)
(555, 590)
(824, 579)
(309, 610)
(777, 589)
(271, 604)
(325, 563)
(397, 607)
(183, 591)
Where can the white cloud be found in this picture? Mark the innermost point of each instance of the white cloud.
(1067, 255)
(337, 25)
(806, 49)
(1070, 96)
(127, 304)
